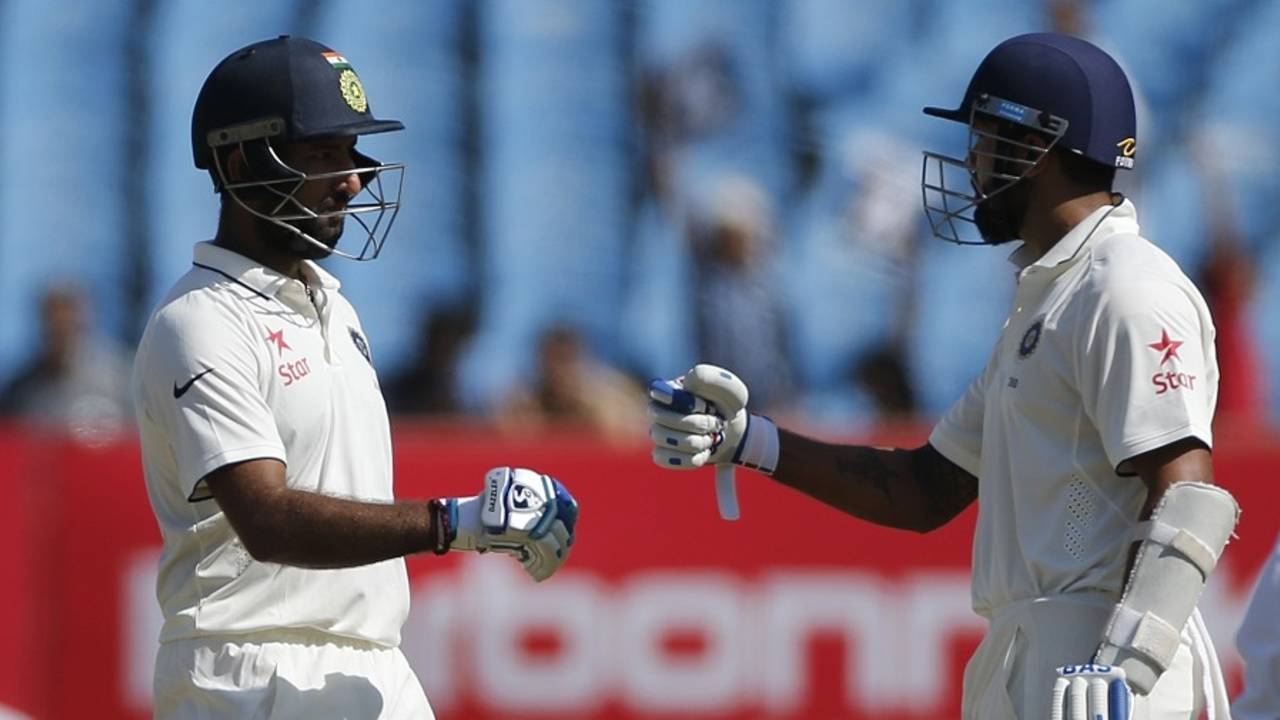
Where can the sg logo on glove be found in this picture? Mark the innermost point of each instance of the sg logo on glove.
(525, 498)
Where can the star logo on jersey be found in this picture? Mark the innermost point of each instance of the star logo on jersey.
(1168, 346)
(277, 337)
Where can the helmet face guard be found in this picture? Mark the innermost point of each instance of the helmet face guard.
(952, 189)
(381, 183)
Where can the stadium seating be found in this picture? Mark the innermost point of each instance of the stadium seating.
(410, 58)
(64, 108)
(553, 183)
(189, 37)
(524, 143)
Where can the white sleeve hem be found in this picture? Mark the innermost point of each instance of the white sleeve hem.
(196, 490)
(1130, 449)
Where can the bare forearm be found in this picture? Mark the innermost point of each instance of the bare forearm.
(317, 531)
(908, 489)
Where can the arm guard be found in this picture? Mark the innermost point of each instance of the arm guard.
(1180, 546)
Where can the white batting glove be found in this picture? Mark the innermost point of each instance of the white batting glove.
(708, 424)
(522, 513)
(1091, 692)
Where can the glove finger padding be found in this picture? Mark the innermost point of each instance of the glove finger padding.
(707, 401)
(698, 423)
(678, 460)
(665, 437)
(1091, 692)
(719, 386)
(541, 558)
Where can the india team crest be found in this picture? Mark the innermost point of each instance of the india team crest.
(1031, 339)
(352, 90)
(361, 344)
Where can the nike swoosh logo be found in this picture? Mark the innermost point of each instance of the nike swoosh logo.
(180, 391)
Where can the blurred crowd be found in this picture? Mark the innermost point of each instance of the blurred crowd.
(600, 192)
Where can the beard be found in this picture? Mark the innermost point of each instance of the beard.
(324, 230)
(999, 217)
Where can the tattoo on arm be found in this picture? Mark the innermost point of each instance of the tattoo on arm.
(868, 467)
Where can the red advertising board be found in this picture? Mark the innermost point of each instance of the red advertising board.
(663, 611)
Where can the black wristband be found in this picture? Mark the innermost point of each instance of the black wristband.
(444, 520)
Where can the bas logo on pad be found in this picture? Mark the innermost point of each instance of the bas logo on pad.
(1165, 381)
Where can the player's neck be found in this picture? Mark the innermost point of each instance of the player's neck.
(248, 242)
(1051, 221)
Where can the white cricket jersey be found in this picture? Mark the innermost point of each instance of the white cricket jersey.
(1107, 354)
(237, 363)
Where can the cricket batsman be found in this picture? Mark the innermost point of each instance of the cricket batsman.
(265, 440)
(1086, 439)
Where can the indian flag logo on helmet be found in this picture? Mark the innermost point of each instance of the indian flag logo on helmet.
(336, 60)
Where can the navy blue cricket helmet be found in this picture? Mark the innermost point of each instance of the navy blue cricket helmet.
(1066, 88)
(291, 89)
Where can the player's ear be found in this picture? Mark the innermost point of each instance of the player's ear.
(235, 165)
(1039, 154)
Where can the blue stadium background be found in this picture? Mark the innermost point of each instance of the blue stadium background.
(526, 195)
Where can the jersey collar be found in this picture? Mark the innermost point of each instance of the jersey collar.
(261, 279)
(1101, 223)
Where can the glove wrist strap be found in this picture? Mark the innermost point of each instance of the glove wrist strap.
(759, 447)
(444, 524)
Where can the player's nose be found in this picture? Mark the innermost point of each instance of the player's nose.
(350, 184)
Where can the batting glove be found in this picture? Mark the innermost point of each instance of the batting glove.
(711, 427)
(1091, 692)
(521, 512)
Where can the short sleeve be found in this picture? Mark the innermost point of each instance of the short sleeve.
(198, 382)
(958, 435)
(1146, 370)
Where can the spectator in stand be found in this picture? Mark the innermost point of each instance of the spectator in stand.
(1227, 276)
(77, 383)
(739, 316)
(428, 385)
(572, 389)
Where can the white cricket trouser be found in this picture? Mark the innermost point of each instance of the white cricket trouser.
(285, 674)
(1010, 676)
